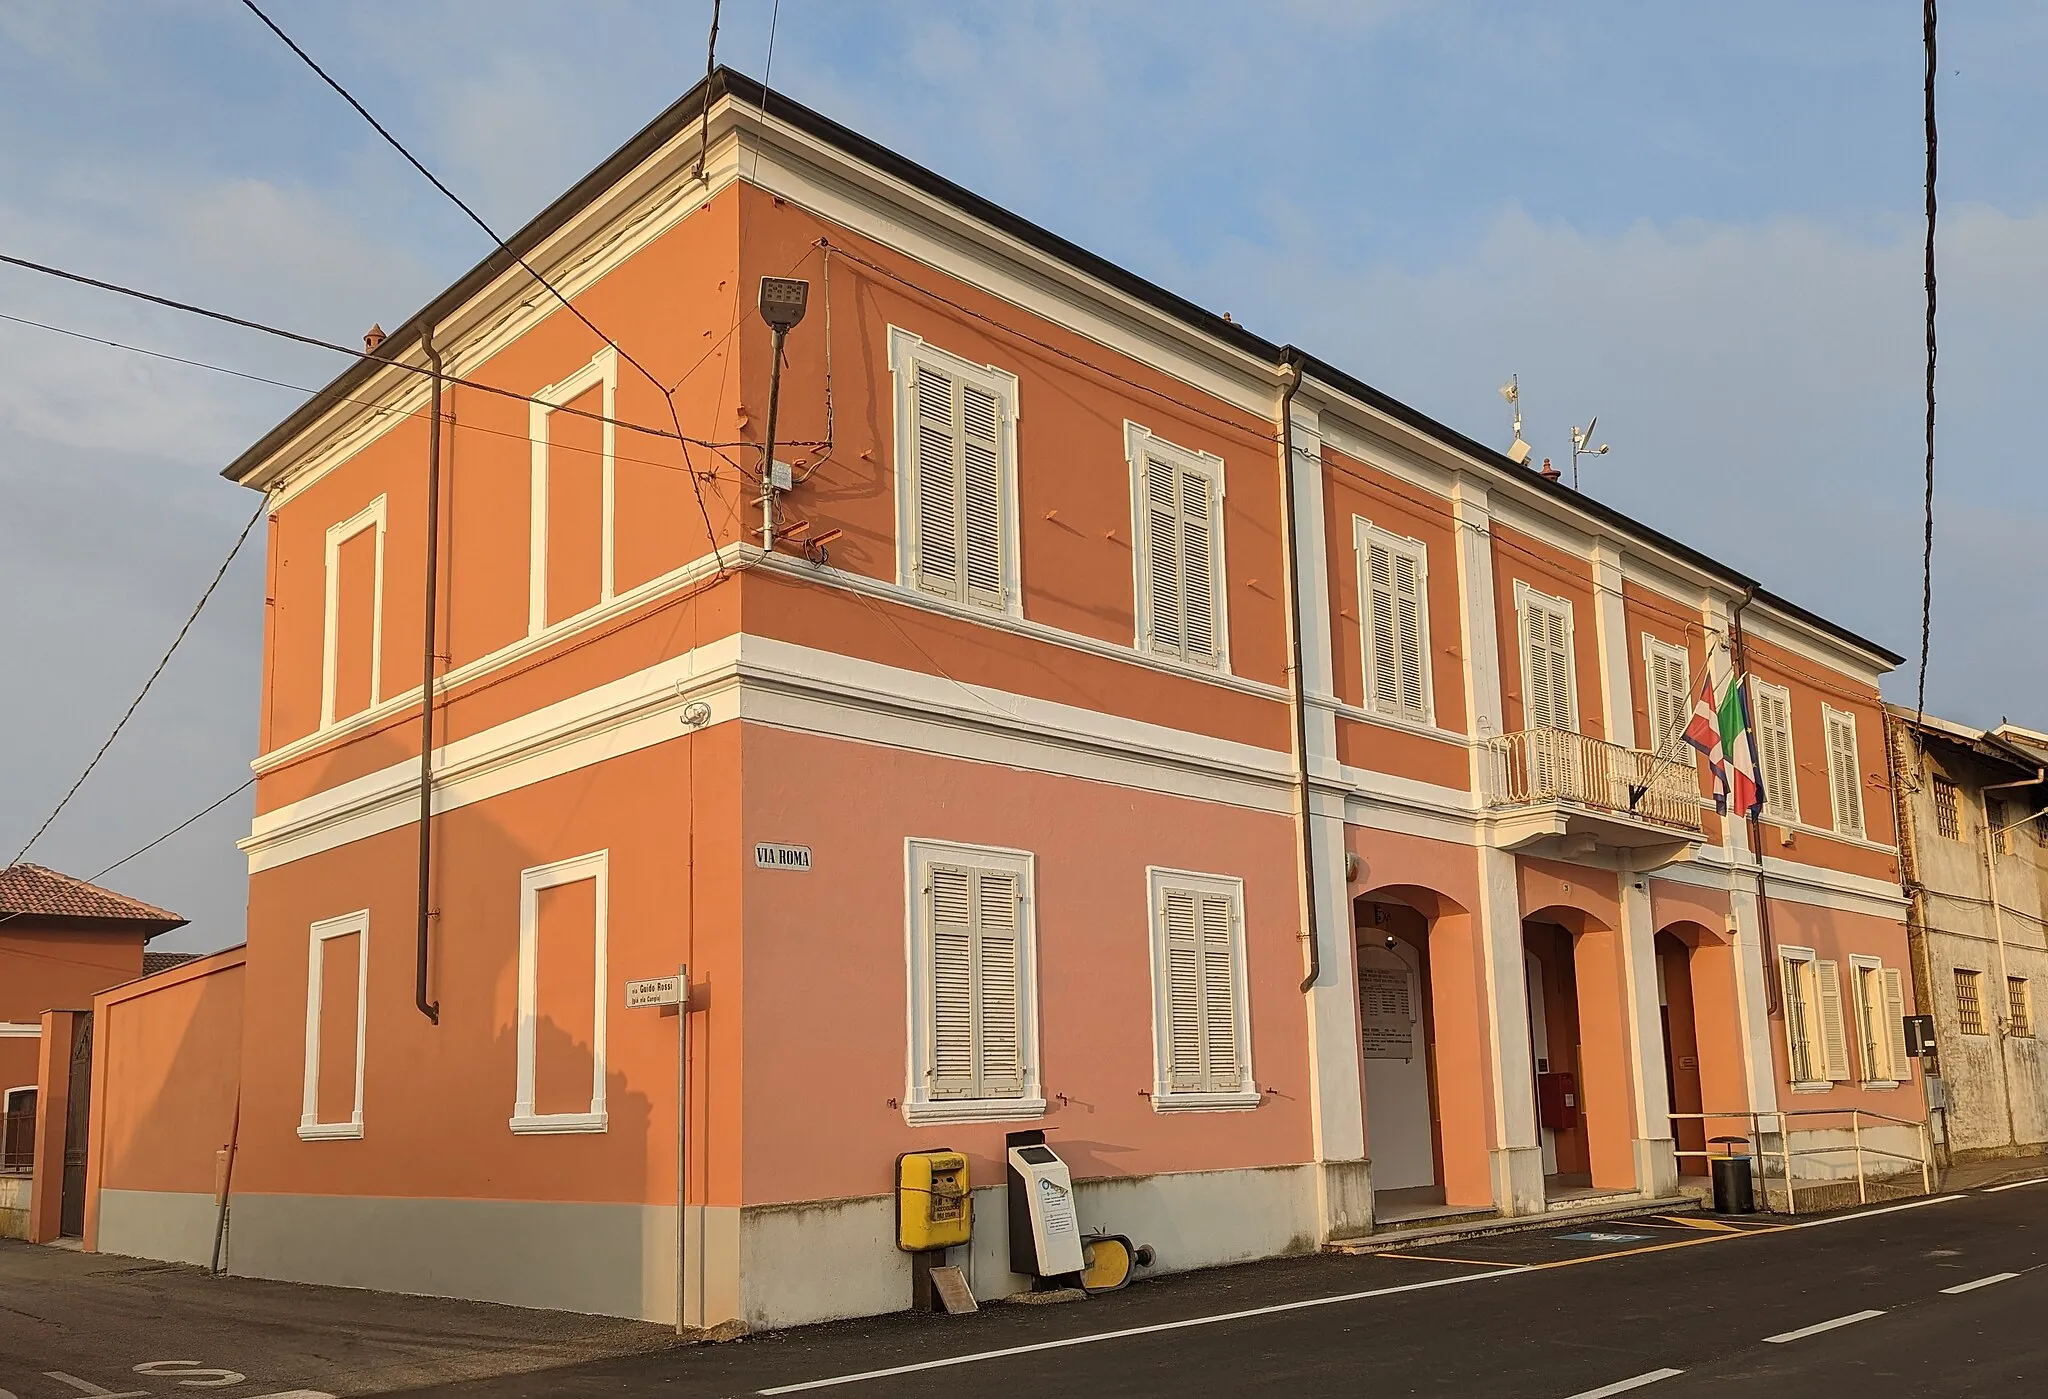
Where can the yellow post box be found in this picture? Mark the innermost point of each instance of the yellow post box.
(933, 1208)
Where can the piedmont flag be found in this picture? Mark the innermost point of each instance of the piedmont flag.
(1704, 733)
(1738, 744)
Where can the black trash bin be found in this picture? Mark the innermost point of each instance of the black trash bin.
(1734, 1186)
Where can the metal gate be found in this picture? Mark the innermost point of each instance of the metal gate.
(78, 1114)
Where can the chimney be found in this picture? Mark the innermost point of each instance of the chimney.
(1551, 473)
(372, 338)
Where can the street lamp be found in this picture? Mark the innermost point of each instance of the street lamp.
(783, 301)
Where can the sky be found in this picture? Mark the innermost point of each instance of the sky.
(1701, 223)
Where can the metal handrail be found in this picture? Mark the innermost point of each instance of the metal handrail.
(1541, 765)
(1785, 1151)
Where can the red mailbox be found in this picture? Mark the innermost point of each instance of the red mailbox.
(1557, 1101)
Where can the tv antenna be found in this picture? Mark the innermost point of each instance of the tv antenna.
(1582, 446)
(1518, 450)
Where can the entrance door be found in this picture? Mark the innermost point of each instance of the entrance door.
(78, 1114)
(1395, 1043)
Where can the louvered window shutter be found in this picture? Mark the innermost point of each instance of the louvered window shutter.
(936, 491)
(1198, 566)
(1774, 737)
(1381, 643)
(999, 1009)
(1540, 705)
(982, 493)
(1183, 942)
(1221, 1072)
(1162, 558)
(1833, 1033)
(1895, 1016)
(1557, 634)
(949, 900)
(1669, 702)
(1547, 639)
(1843, 777)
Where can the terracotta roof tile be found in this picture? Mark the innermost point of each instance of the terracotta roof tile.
(154, 962)
(35, 892)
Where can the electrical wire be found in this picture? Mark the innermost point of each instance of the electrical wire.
(420, 370)
(94, 878)
(667, 398)
(135, 703)
(1927, 506)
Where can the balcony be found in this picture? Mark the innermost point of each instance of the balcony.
(1566, 794)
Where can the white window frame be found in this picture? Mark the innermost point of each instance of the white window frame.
(1527, 597)
(311, 1128)
(1872, 1022)
(906, 350)
(596, 867)
(1363, 534)
(370, 516)
(1776, 808)
(603, 369)
(918, 1104)
(1828, 715)
(1654, 646)
(1164, 1099)
(1140, 441)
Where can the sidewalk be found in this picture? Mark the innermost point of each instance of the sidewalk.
(1969, 1175)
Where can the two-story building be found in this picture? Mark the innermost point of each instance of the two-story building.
(1131, 728)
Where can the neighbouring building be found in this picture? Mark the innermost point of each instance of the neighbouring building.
(1973, 841)
(62, 942)
(1119, 724)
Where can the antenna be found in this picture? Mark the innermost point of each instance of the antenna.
(1518, 450)
(1582, 446)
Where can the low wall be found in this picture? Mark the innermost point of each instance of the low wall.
(16, 1192)
(167, 1062)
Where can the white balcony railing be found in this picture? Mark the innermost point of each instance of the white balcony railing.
(1541, 767)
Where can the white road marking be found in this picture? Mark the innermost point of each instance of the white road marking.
(1624, 1386)
(2014, 1185)
(1888, 1209)
(88, 1387)
(1980, 1282)
(1276, 1309)
(1803, 1332)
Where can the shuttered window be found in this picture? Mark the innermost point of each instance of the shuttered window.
(1393, 588)
(1547, 661)
(1669, 671)
(956, 427)
(1816, 1032)
(1204, 1050)
(1880, 1019)
(1774, 750)
(1179, 500)
(972, 1037)
(1845, 775)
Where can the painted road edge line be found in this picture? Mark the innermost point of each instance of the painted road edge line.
(1803, 1332)
(1276, 1309)
(1624, 1386)
(1980, 1282)
(2015, 1184)
(1922, 1203)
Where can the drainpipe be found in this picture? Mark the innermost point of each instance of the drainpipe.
(1739, 656)
(2003, 1019)
(430, 1009)
(1290, 373)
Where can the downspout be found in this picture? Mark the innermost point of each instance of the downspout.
(430, 1009)
(1290, 373)
(1739, 656)
(2003, 1019)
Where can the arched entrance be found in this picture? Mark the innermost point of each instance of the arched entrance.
(1681, 1051)
(1578, 1009)
(1422, 1037)
(1697, 974)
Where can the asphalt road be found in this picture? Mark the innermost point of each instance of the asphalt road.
(1867, 1304)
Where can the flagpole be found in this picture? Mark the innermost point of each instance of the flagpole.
(1738, 660)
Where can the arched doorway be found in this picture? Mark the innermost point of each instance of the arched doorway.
(1422, 1039)
(1578, 1045)
(1681, 1051)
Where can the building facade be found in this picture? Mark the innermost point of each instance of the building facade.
(1974, 848)
(1121, 726)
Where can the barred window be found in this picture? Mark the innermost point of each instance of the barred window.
(1947, 819)
(2019, 1002)
(1969, 1002)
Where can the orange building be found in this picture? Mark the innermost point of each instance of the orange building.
(1300, 849)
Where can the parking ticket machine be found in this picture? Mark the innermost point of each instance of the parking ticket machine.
(1045, 1230)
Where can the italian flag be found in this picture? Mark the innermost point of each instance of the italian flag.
(1703, 732)
(1738, 743)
